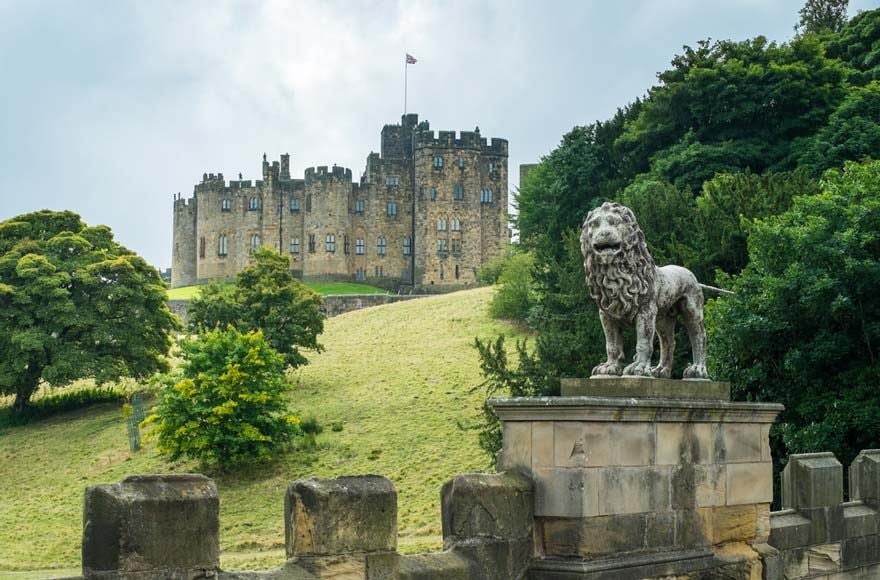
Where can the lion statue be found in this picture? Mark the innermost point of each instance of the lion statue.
(630, 289)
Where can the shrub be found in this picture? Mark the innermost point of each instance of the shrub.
(517, 292)
(227, 406)
(490, 271)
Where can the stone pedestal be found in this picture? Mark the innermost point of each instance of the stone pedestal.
(641, 484)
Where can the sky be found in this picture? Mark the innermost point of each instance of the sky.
(110, 108)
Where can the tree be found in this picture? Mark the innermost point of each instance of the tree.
(818, 16)
(804, 326)
(227, 406)
(266, 297)
(75, 304)
(516, 294)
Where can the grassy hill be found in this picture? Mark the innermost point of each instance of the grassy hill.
(398, 378)
(322, 288)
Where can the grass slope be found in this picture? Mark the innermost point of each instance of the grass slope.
(322, 288)
(399, 378)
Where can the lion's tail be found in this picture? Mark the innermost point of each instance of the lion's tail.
(718, 290)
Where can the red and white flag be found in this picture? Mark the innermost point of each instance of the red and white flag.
(410, 59)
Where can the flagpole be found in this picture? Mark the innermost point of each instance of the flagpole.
(405, 68)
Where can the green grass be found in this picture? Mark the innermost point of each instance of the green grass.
(322, 288)
(399, 378)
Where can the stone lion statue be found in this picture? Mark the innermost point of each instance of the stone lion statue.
(631, 290)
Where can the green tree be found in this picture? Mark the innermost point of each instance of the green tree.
(266, 297)
(75, 304)
(858, 45)
(804, 326)
(818, 16)
(516, 294)
(227, 405)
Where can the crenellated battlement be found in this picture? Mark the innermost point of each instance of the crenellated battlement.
(323, 173)
(463, 140)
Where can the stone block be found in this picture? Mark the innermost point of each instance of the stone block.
(448, 565)
(789, 530)
(734, 524)
(591, 538)
(749, 483)
(682, 443)
(693, 528)
(478, 505)
(812, 480)
(516, 452)
(542, 444)
(695, 486)
(629, 490)
(795, 563)
(740, 443)
(773, 567)
(632, 444)
(827, 524)
(864, 478)
(823, 559)
(340, 516)
(581, 444)
(166, 525)
(762, 523)
(567, 492)
(645, 387)
(860, 520)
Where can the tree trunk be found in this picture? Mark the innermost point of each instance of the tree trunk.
(30, 382)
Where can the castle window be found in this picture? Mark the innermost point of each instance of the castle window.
(407, 246)
(330, 243)
(360, 274)
(255, 204)
(392, 180)
(441, 224)
(311, 243)
(456, 246)
(442, 246)
(346, 245)
(221, 245)
(360, 247)
(458, 192)
(486, 196)
(309, 202)
(380, 271)
(381, 246)
(359, 206)
(457, 273)
(438, 161)
(294, 204)
(225, 204)
(491, 167)
(461, 162)
(202, 247)
(255, 242)
(456, 225)
(294, 245)
(433, 194)
(391, 209)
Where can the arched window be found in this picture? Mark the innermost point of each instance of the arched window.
(441, 224)
(221, 245)
(407, 246)
(330, 243)
(486, 196)
(392, 209)
(359, 247)
(381, 246)
(255, 242)
(255, 203)
(225, 204)
(458, 192)
(456, 225)
(438, 161)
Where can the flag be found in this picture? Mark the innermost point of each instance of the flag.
(410, 59)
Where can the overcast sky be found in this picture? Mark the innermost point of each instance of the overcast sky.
(110, 107)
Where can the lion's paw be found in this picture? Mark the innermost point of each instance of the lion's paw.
(695, 371)
(638, 369)
(607, 368)
(662, 372)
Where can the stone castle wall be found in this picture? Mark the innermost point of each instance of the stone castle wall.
(422, 200)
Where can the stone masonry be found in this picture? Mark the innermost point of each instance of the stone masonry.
(428, 211)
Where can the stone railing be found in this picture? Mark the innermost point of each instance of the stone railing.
(819, 535)
(167, 527)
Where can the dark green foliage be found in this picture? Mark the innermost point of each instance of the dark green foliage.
(226, 407)
(516, 294)
(266, 297)
(59, 403)
(858, 45)
(75, 304)
(818, 16)
(804, 326)
(490, 271)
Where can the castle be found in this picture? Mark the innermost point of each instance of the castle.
(427, 212)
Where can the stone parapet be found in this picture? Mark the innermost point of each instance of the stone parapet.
(645, 388)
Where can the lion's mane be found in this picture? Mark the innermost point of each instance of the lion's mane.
(623, 285)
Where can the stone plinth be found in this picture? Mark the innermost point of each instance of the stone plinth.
(618, 480)
(645, 388)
